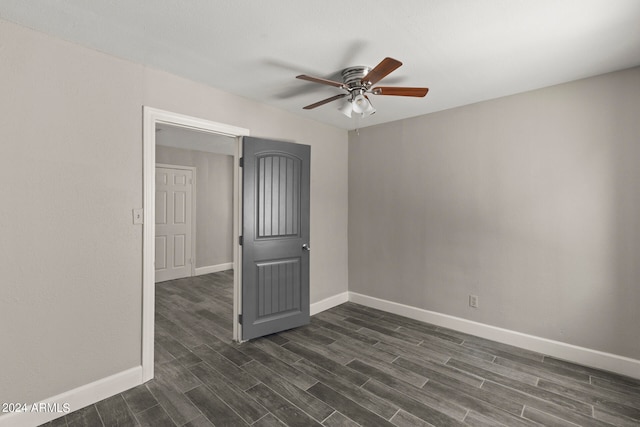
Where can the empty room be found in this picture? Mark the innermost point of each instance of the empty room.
(288, 213)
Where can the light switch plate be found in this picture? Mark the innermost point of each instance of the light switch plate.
(138, 216)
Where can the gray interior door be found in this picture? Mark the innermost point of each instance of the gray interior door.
(275, 247)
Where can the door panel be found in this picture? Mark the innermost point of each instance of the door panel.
(174, 192)
(275, 267)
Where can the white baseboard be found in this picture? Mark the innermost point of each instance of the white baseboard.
(328, 303)
(581, 355)
(199, 271)
(75, 399)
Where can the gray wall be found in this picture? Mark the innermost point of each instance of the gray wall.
(531, 202)
(214, 202)
(70, 175)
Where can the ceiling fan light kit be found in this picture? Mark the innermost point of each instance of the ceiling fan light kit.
(357, 83)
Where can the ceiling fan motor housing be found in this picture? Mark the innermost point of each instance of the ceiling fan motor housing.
(352, 77)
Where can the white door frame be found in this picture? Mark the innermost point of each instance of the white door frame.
(152, 117)
(193, 208)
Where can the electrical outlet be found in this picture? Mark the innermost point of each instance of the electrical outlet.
(473, 301)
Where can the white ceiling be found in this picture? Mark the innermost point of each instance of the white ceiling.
(465, 51)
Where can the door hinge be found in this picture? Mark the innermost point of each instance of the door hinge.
(240, 318)
(241, 162)
(240, 240)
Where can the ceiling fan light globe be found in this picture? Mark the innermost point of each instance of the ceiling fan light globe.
(346, 109)
(360, 104)
(369, 111)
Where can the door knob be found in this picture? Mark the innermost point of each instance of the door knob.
(306, 247)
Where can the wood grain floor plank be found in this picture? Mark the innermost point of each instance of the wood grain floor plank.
(223, 365)
(293, 375)
(243, 405)
(388, 373)
(178, 375)
(139, 399)
(365, 399)
(551, 408)
(328, 364)
(347, 406)
(275, 350)
(284, 410)
(155, 416)
(411, 405)
(338, 420)
(303, 400)
(352, 365)
(545, 395)
(486, 370)
(177, 405)
(214, 408)
(348, 333)
(440, 373)
(504, 411)
(87, 416)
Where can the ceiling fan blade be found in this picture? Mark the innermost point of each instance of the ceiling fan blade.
(383, 69)
(400, 91)
(320, 80)
(324, 101)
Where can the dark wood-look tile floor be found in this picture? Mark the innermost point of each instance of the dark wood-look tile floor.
(351, 366)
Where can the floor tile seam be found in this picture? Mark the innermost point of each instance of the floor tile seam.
(480, 347)
(265, 415)
(346, 396)
(135, 415)
(392, 364)
(554, 416)
(194, 418)
(623, 390)
(466, 414)
(365, 383)
(477, 399)
(290, 365)
(175, 422)
(443, 344)
(225, 358)
(421, 389)
(129, 406)
(412, 360)
(99, 414)
(196, 386)
(224, 402)
(535, 371)
(590, 372)
(498, 373)
(478, 376)
(289, 401)
(549, 402)
(596, 396)
(618, 415)
(394, 414)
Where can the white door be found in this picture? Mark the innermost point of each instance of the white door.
(174, 192)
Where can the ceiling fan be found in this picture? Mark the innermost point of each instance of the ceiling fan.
(357, 82)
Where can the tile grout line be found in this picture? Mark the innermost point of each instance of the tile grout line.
(99, 415)
(466, 414)
(328, 416)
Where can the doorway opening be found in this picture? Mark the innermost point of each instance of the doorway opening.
(196, 135)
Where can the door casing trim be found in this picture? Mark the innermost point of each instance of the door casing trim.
(151, 117)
